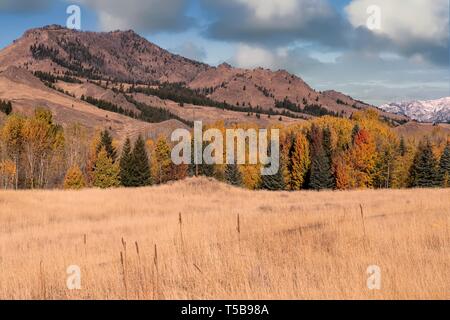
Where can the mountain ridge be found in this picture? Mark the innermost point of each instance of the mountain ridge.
(437, 110)
(119, 60)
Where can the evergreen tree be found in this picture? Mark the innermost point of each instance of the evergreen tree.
(273, 182)
(106, 173)
(424, 172)
(106, 142)
(5, 107)
(233, 175)
(444, 167)
(140, 168)
(126, 165)
(74, 179)
(321, 165)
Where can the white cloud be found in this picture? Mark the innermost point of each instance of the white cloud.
(142, 16)
(191, 50)
(251, 57)
(268, 9)
(273, 21)
(406, 21)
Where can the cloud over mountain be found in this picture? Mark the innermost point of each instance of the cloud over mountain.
(143, 16)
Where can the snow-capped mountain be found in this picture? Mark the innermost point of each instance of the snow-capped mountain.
(422, 111)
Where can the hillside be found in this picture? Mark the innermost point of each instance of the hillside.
(109, 66)
(27, 92)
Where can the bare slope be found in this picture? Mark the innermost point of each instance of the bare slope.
(27, 92)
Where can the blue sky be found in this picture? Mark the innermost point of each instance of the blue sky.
(326, 42)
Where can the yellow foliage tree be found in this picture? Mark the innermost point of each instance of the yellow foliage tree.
(299, 162)
(7, 174)
(74, 179)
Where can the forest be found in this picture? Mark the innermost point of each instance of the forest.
(326, 153)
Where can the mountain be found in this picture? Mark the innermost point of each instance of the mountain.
(437, 111)
(124, 56)
(120, 75)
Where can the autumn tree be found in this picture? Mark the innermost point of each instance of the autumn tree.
(444, 167)
(162, 162)
(7, 174)
(74, 179)
(299, 162)
(42, 139)
(401, 166)
(12, 134)
(106, 173)
(362, 159)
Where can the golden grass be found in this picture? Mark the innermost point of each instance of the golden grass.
(185, 241)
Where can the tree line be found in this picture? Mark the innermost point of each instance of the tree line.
(325, 153)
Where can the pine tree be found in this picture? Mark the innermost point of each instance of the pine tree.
(233, 175)
(106, 142)
(424, 172)
(140, 168)
(273, 182)
(321, 165)
(126, 165)
(444, 167)
(5, 107)
(74, 179)
(106, 173)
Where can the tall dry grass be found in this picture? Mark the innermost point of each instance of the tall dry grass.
(201, 239)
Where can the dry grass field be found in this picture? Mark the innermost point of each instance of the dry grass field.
(130, 243)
